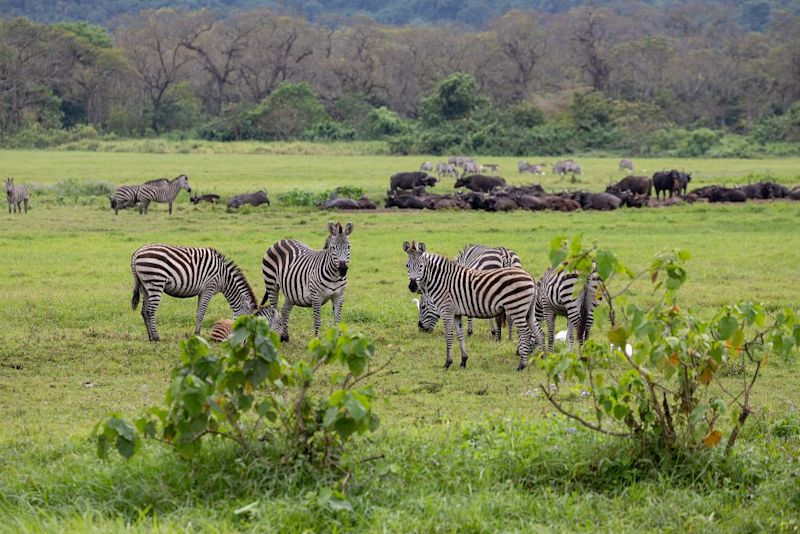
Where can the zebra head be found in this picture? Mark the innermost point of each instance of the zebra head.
(9, 186)
(338, 244)
(416, 264)
(183, 182)
(428, 314)
(273, 316)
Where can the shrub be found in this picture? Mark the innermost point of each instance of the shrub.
(248, 393)
(303, 197)
(36, 136)
(329, 130)
(382, 122)
(75, 188)
(286, 112)
(670, 394)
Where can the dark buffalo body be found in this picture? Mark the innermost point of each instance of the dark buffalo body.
(254, 199)
(666, 181)
(411, 180)
(638, 185)
(480, 182)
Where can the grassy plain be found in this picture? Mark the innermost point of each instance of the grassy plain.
(474, 449)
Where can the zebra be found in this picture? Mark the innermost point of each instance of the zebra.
(223, 328)
(445, 169)
(184, 272)
(625, 164)
(482, 258)
(17, 196)
(458, 291)
(162, 192)
(126, 196)
(557, 297)
(308, 277)
(427, 166)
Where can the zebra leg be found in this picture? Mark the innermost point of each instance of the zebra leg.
(287, 308)
(525, 346)
(447, 323)
(550, 319)
(510, 328)
(570, 336)
(170, 208)
(152, 298)
(469, 326)
(317, 306)
(26, 205)
(202, 304)
(337, 299)
(461, 344)
(497, 327)
(143, 207)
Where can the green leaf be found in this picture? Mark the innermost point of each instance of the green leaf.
(618, 336)
(727, 326)
(122, 428)
(356, 409)
(125, 446)
(557, 256)
(606, 263)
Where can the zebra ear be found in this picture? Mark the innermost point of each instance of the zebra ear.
(348, 228)
(406, 246)
(332, 228)
(421, 247)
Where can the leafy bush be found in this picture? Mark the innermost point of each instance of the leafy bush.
(37, 136)
(304, 197)
(383, 122)
(671, 394)
(329, 130)
(248, 393)
(286, 112)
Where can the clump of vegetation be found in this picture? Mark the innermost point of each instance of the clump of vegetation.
(671, 393)
(247, 393)
(75, 188)
(304, 197)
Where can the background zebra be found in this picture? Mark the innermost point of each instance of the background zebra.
(126, 196)
(159, 192)
(557, 297)
(482, 258)
(16, 195)
(308, 277)
(458, 291)
(189, 272)
(222, 329)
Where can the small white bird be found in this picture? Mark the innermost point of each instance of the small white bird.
(561, 336)
(628, 348)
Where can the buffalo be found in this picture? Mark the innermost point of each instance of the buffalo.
(213, 199)
(411, 180)
(597, 201)
(667, 181)
(764, 190)
(480, 182)
(726, 194)
(639, 185)
(254, 199)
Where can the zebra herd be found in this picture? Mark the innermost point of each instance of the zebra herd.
(484, 282)
(308, 278)
(160, 190)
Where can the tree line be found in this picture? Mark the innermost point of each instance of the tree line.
(647, 78)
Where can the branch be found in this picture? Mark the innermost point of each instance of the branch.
(577, 418)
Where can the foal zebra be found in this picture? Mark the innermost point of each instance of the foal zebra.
(557, 297)
(16, 195)
(162, 192)
(190, 272)
(308, 277)
(458, 291)
(481, 258)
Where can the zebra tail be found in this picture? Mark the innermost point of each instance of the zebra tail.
(266, 297)
(136, 288)
(586, 303)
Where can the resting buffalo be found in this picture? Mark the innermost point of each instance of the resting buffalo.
(597, 201)
(553, 202)
(639, 185)
(794, 194)
(501, 203)
(254, 199)
(530, 202)
(667, 181)
(411, 180)
(764, 190)
(404, 201)
(480, 182)
(725, 194)
(213, 199)
(349, 204)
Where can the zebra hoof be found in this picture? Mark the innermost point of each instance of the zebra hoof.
(464, 364)
(447, 364)
(284, 338)
(521, 367)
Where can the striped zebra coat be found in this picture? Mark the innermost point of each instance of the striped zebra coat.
(162, 192)
(457, 291)
(127, 196)
(308, 277)
(557, 297)
(17, 196)
(482, 258)
(185, 272)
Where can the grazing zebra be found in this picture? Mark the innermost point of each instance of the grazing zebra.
(482, 258)
(457, 291)
(17, 195)
(126, 196)
(162, 192)
(189, 272)
(557, 297)
(625, 164)
(308, 277)
(427, 166)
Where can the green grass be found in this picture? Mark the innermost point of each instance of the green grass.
(472, 449)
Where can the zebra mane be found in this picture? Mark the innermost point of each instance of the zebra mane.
(236, 271)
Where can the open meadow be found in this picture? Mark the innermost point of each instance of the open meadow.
(462, 450)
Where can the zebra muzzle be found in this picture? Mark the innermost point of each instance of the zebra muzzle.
(342, 269)
(412, 285)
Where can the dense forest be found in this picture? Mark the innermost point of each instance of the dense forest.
(752, 14)
(661, 77)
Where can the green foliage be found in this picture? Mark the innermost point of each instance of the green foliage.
(74, 189)
(382, 122)
(248, 392)
(671, 395)
(91, 34)
(454, 97)
(329, 130)
(36, 136)
(304, 197)
(180, 109)
(288, 111)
